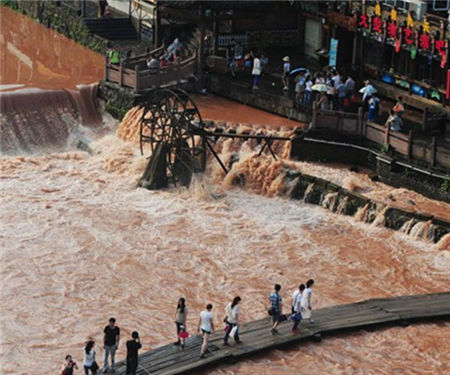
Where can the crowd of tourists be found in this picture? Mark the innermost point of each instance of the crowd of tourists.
(301, 310)
(111, 339)
(161, 59)
(328, 89)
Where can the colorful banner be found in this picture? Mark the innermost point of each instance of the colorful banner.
(332, 54)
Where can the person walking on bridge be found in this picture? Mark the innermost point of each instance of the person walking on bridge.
(306, 303)
(233, 310)
(276, 307)
(206, 327)
(180, 318)
(297, 306)
(133, 347)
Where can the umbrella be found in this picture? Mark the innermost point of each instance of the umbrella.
(322, 87)
(368, 90)
(298, 71)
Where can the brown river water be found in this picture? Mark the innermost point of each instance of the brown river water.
(79, 243)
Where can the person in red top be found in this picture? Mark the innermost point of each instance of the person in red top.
(69, 366)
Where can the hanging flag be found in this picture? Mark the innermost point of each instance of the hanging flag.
(397, 45)
(394, 14)
(377, 24)
(378, 9)
(443, 61)
(410, 20)
(426, 26)
(413, 52)
(408, 35)
(424, 41)
(392, 30)
(363, 21)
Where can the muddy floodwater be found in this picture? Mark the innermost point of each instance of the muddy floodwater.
(32, 55)
(80, 243)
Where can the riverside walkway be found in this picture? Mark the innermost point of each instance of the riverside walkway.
(256, 336)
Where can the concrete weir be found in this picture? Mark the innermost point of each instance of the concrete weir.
(314, 190)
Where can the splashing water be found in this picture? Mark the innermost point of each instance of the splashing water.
(86, 244)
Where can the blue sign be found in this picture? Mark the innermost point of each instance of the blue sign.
(332, 54)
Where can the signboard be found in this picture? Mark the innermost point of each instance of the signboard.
(339, 19)
(332, 54)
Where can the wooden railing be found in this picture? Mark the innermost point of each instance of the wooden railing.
(142, 58)
(341, 122)
(141, 78)
(431, 150)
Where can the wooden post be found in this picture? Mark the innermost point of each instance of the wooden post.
(424, 120)
(314, 115)
(433, 151)
(120, 74)
(386, 135)
(137, 86)
(156, 25)
(360, 120)
(410, 140)
(106, 67)
(83, 8)
(177, 71)
(215, 35)
(201, 42)
(158, 78)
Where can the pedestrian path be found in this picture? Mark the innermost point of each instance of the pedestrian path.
(256, 336)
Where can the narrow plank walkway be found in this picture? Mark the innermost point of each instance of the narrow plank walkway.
(256, 336)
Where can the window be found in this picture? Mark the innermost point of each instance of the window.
(399, 3)
(441, 4)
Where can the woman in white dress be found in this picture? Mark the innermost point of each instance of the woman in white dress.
(307, 301)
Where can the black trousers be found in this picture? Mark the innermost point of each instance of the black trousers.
(132, 365)
(227, 332)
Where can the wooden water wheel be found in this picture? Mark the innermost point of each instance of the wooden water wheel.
(172, 119)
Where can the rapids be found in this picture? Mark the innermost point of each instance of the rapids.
(86, 244)
(79, 243)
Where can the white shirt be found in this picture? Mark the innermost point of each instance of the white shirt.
(287, 67)
(256, 67)
(367, 91)
(206, 318)
(309, 85)
(336, 79)
(307, 292)
(88, 359)
(350, 83)
(294, 296)
(232, 313)
(298, 302)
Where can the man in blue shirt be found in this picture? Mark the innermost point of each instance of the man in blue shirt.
(276, 305)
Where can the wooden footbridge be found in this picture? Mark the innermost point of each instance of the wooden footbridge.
(256, 336)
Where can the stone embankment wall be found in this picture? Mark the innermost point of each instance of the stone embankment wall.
(386, 169)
